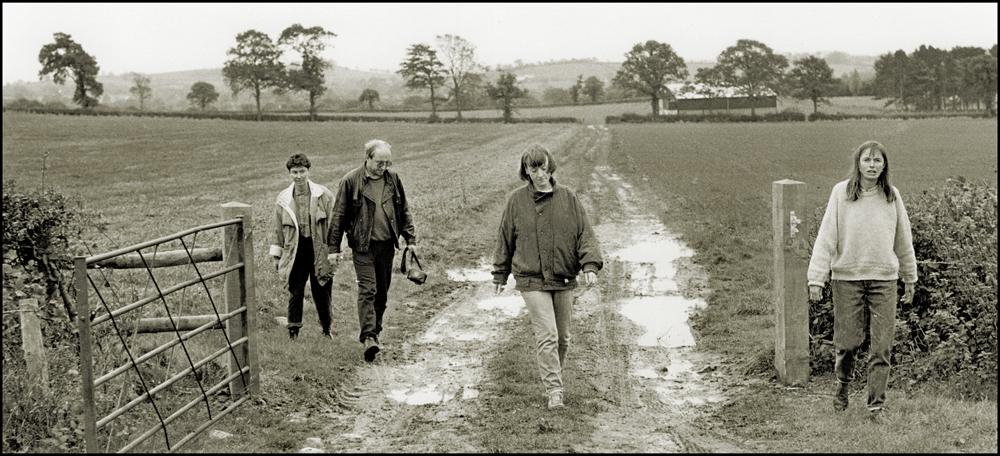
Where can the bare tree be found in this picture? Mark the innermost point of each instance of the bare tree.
(141, 88)
(459, 58)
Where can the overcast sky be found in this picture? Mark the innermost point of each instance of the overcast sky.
(159, 38)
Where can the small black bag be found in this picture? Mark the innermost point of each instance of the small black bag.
(416, 274)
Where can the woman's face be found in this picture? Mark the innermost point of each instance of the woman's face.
(539, 174)
(871, 164)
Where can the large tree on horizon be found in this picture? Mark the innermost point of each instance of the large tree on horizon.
(65, 58)
(752, 68)
(253, 65)
(648, 68)
(308, 74)
(812, 79)
(202, 93)
(422, 69)
(505, 92)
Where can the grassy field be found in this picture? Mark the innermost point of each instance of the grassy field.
(717, 181)
(154, 177)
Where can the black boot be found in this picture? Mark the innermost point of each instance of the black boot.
(840, 400)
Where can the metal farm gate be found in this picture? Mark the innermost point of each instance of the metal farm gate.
(136, 371)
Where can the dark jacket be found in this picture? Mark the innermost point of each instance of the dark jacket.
(545, 239)
(354, 211)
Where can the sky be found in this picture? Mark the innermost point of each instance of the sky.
(158, 38)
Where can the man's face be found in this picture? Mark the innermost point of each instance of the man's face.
(380, 161)
(299, 174)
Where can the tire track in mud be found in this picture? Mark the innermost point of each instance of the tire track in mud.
(420, 394)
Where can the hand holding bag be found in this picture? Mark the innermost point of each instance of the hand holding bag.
(415, 274)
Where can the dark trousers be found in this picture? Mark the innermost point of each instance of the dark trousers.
(850, 298)
(303, 269)
(374, 271)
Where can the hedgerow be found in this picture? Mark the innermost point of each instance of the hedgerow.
(784, 116)
(41, 233)
(949, 332)
(250, 116)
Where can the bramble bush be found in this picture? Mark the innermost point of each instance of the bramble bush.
(41, 233)
(949, 332)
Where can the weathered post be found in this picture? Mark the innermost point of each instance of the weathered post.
(34, 345)
(86, 358)
(237, 247)
(791, 260)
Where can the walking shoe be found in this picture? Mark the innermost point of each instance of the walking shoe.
(327, 334)
(371, 349)
(293, 333)
(840, 400)
(555, 400)
(878, 416)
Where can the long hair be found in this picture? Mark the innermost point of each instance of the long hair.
(535, 156)
(854, 184)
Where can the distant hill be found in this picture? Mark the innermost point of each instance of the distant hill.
(344, 85)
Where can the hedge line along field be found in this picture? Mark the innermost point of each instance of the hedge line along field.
(717, 180)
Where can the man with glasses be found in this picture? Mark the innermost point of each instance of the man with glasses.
(371, 210)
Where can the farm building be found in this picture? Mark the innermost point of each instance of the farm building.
(701, 99)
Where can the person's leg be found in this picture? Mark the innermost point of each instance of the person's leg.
(321, 297)
(543, 320)
(383, 253)
(562, 302)
(364, 267)
(848, 334)
(300, 272)
(882, 304)
(848, 326)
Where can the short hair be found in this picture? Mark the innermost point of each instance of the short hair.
(370, 147)
(535, 156)
(297, 160)
(883, 184)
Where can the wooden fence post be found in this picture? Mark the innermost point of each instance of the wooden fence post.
(237, 246)
(34, 345)
(791, 260)
(86, 358)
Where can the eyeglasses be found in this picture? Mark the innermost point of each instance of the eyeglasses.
(381, 164)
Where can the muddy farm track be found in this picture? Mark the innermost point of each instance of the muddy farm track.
(423, 391)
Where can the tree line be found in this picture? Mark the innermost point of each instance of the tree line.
(926, 79)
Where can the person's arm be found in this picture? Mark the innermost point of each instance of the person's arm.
(903, 248)
(338, 217)
(279, 237)
(504, 251)
(406, 229)
(588, 249)
(823, 248)
(332, 254)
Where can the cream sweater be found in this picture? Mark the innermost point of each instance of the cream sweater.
(867, 239)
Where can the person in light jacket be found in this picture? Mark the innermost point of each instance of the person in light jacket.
(302, 240)
(865, 241)
(545, 240)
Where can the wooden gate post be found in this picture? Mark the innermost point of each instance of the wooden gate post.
(34, 345)
(80, 279)
(237, 246)
(791, 260)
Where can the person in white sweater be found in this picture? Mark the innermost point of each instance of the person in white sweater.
(864, 246)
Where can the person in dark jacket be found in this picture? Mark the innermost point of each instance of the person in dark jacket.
(371, 210)
(301, 242)
(545, 240)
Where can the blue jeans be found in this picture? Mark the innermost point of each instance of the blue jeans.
(550, 313)
(374, 271)
(850, 298)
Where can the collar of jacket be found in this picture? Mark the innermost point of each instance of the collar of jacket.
(359, 177)
(535, 192)
(286, 195)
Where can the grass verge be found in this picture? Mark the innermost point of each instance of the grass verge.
(716, 180)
